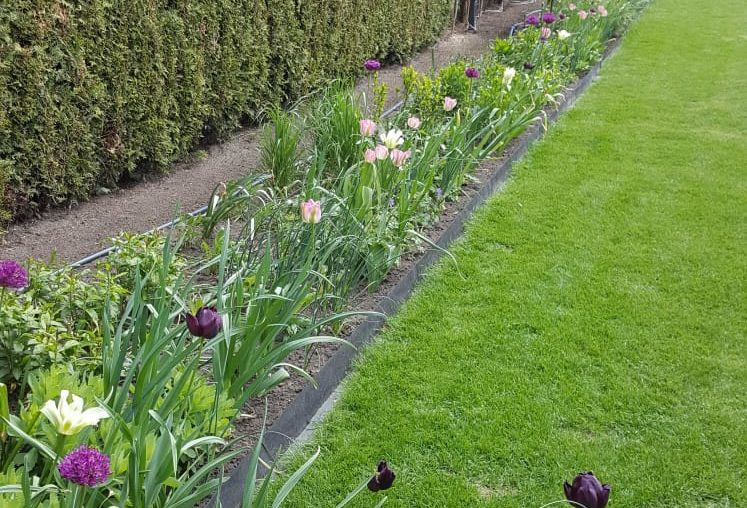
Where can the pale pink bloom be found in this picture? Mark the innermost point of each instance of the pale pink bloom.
(381, 152)
(399, 157)
(449, 103)
(368, 127)
(602, 11)
(545, 33)
(370, 155)
(582, 14)
(572, 7)
(413, 122)
(311, 211)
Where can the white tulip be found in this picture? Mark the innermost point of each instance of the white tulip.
(392, 139)
(508, 76)
(69, 419)
(563, 34)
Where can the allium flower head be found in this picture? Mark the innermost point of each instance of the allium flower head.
(85, 466)
(392, 139)
(205, 323)
(69, 419)
(532, 19)
(587, 491)
(472, 73)
(548, 18)
(449, 103)
(367, 127)
(311, 211)
(372, 65)
(413, 122)
(382, 479)
(12, 275)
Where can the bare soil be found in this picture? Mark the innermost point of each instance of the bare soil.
(72, 233)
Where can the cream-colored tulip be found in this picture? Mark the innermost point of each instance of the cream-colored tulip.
(69, 419)
(563, 34)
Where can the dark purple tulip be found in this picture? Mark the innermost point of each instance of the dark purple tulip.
(383, 478)
(372, 65)
(533, 20)
(205, 323)
(528, 66)
(561, 16)
(592, 10)
(587, 491)
(548, 18)
(12, 275)
(472, 73)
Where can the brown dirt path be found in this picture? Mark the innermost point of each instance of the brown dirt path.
(83, 229)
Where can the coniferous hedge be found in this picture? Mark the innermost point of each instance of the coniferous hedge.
(93, 91)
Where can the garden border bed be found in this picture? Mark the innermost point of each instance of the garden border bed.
(308, 404)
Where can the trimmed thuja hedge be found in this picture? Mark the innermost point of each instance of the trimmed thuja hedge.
(93, 91)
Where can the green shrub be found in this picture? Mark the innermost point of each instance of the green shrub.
(93, 92)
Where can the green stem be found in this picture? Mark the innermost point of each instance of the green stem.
(49, 467)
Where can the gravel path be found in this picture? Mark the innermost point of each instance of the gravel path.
(82, 229)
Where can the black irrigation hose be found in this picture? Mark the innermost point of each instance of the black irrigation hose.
(200, 211)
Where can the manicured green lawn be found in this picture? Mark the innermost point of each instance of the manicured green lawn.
(598, 317)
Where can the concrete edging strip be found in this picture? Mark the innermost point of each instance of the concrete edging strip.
(296, 418)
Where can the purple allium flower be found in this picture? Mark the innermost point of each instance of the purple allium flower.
(533, 20)
(472, 73)
(85, 466)
(372, 65)
(548, 18)
(528, 66)
(12, 275)
(205, 323)
(587, 491)
(383, 479)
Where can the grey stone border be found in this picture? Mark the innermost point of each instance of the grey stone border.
(295, 419)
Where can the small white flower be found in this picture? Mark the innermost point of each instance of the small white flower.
(69, 419)
(392, 139)
(508, 76)
(563, 34)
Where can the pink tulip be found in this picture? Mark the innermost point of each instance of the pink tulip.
(449, 103)
(582, 14)
(311, 211)
(602, 11)
(368, 127)
(545, 33)
(381, 152)
(399, 157)
(413, 122)
(370, 155)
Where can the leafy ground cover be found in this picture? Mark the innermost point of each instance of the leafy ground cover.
(597, 319)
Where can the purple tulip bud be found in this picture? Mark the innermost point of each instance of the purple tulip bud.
(587, 491)
(561, 16)
(592, 10)
(548, 18)
(12, 275)
(528, 66)
(472, 73)
(383, 479)
(533, 20)
(205, 323)
(372, 65)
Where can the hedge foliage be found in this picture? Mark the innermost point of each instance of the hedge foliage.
(94, 91)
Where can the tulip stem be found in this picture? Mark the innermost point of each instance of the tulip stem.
(49, 466)
(353, 493)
